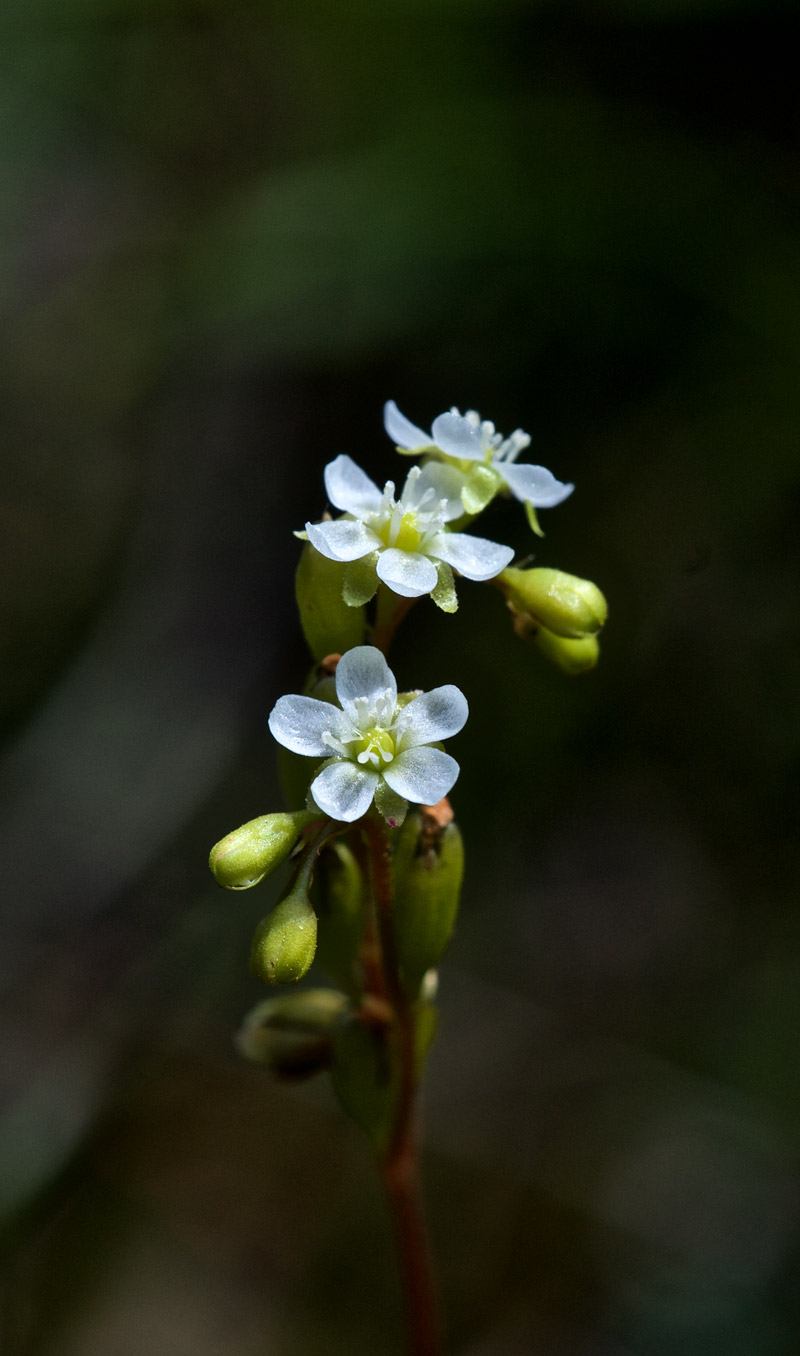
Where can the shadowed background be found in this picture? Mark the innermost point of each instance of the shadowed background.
(228, 232)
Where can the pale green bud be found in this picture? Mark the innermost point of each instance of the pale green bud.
(292, 1034)
(428, 869)
(285, 941)
(572, 656)
(341, 914)
(329, 625)
(250, 853)
(563, 603)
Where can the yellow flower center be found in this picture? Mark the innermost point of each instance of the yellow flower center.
(375, 747)
(404, 536)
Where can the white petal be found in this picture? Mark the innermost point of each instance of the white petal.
(422, 775)
(363, 672)
(407, 572)
(457, 436)
(446, 482)
(344, 791)
(474, 557)
(434, 715)
(401, 430)
(300, 722)
(533, 484)
(343, 539)
(349, 488)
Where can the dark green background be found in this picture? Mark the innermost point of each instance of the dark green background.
(228, 232)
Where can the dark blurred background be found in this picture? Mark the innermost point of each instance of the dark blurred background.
(228, 232)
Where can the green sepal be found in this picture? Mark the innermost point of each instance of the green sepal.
(444, 591)
(563, 603)
(256, 849)
(360, 583)
(341, 914)
(329, 625)
(292, 1034)
(533, 521)
(285, 941)
(428, 870)
(363, 1079)
(479, 489)
(571, 656)
(389, 804)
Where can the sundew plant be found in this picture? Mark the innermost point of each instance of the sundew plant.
(375, 852)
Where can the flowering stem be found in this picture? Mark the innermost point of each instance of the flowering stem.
(399, 1161)
(390, 609)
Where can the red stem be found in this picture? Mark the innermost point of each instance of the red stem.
(399, 1164)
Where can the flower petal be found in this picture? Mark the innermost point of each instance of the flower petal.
(349, 488)
(474, 557)
(423, 775)
(457, 437)
(446, 482)
(343, 539)
(363, 672)
(434, 715)
(401, 430)
(533, 484)
(344, 791)
(407, 572)
(300, 722)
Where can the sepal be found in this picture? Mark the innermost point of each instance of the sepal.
(363, 1079)
(341, 914)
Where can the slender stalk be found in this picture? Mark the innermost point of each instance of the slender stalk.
(390, 609)
(399, 1163)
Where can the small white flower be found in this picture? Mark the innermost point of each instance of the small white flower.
(466, 438)
(377, 749)
(408, 533)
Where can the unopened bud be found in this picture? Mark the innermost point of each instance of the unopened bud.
(285, 941)
(329, 625)
(250, 853)
(293, 1033)
(572, 656)
(563, 603)
(428, 868)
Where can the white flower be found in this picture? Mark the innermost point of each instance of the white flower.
(377, 749)
(408, 533)
(466, 439)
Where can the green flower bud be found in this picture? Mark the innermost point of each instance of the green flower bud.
(329, 625)
(428, 868)
(292, 1035)
(285, 941)
(341, 914)
(572, 656)
(255, 850)
(563, 603)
